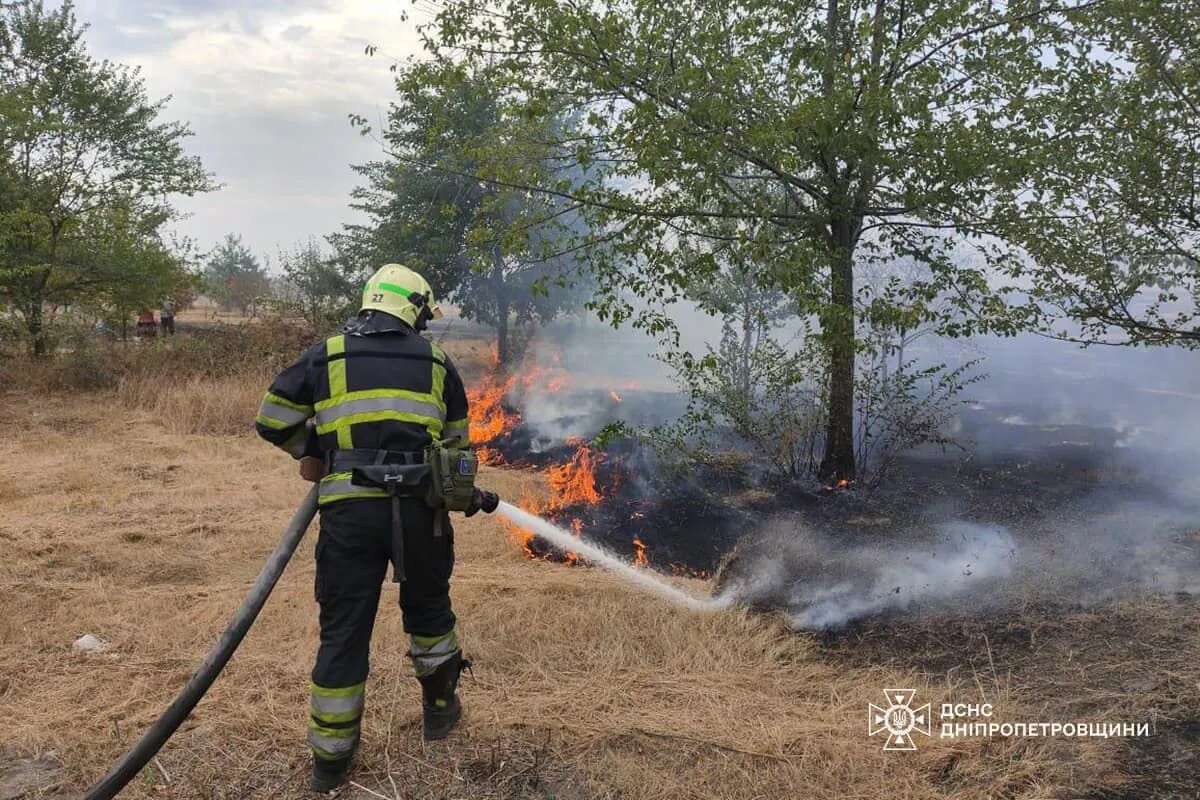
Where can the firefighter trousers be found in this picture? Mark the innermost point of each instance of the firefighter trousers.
(354, 550)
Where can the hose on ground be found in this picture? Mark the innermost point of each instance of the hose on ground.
(154, 738)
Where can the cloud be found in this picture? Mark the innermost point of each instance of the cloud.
(267, 86)
(295, 33)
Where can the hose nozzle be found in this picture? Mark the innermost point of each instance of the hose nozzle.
(483, 500)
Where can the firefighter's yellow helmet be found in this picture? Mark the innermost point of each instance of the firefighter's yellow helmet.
(397, 290)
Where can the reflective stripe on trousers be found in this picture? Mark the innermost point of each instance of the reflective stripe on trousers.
(335, 716)
(430, 652)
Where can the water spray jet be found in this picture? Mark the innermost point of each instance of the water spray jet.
(640, 577)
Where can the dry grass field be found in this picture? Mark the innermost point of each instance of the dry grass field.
(142, 515)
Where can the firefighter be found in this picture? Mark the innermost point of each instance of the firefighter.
(360, 411)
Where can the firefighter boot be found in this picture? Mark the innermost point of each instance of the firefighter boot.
(328, 775)
(441, 705)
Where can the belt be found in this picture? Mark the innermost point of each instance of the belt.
(370, 467)
(344, 460)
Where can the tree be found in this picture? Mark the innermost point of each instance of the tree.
(81, 149)
(1121, 258)
(491, 250)
(317, 287)
(857, 131)
(144, 270)
(734, 291)
(233, 277)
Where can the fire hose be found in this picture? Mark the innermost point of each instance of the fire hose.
(154, 738)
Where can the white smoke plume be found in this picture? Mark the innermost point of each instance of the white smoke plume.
(825, 584)
(1089, 552)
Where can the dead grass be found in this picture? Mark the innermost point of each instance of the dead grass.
(136, 525)
(190, 404)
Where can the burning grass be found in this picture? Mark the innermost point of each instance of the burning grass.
(118, 523)
(569, 485)
(492, 420)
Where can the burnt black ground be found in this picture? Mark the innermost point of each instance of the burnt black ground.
(1096, 622)
(1089, 460)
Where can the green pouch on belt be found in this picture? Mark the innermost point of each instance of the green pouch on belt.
(452, 476)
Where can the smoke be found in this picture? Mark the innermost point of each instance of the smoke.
(1116, 548)
(824, 583)
(594, 375)
(1092, 551)
(1078, 483)
(1143, 401)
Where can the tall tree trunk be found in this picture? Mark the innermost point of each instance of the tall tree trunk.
(35, 316)
(500, 291)
(837, 464)
(35, 324)
(747, 349)
(837, 324)
(503, 350)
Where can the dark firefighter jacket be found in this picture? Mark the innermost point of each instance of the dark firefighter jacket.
(379, 386)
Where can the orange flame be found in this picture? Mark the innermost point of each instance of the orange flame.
(575, 481)
(639, 553)
(571, 483)
(487, 417)
(545, 377)
(488, 455)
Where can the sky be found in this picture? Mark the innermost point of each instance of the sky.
(267, 87)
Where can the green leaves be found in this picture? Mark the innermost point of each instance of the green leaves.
(86, 170)
(233, 276)
(317, 288)
(962, 167)
(920, 116)
(1128, 226)
(454, 198)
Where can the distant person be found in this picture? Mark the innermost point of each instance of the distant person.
(381, 395)
(166, 318)
(146, 328)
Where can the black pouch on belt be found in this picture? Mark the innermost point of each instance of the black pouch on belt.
(398, 480)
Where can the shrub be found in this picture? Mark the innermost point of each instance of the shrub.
(205, 381)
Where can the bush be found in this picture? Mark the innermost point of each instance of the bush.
(756, 397)
(905, 409)
(228, 350)
(761, 399)
(206, 381)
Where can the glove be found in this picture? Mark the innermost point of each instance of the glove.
(482, 501)
(312, 469)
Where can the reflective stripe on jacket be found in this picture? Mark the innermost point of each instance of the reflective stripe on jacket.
(382, 386)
